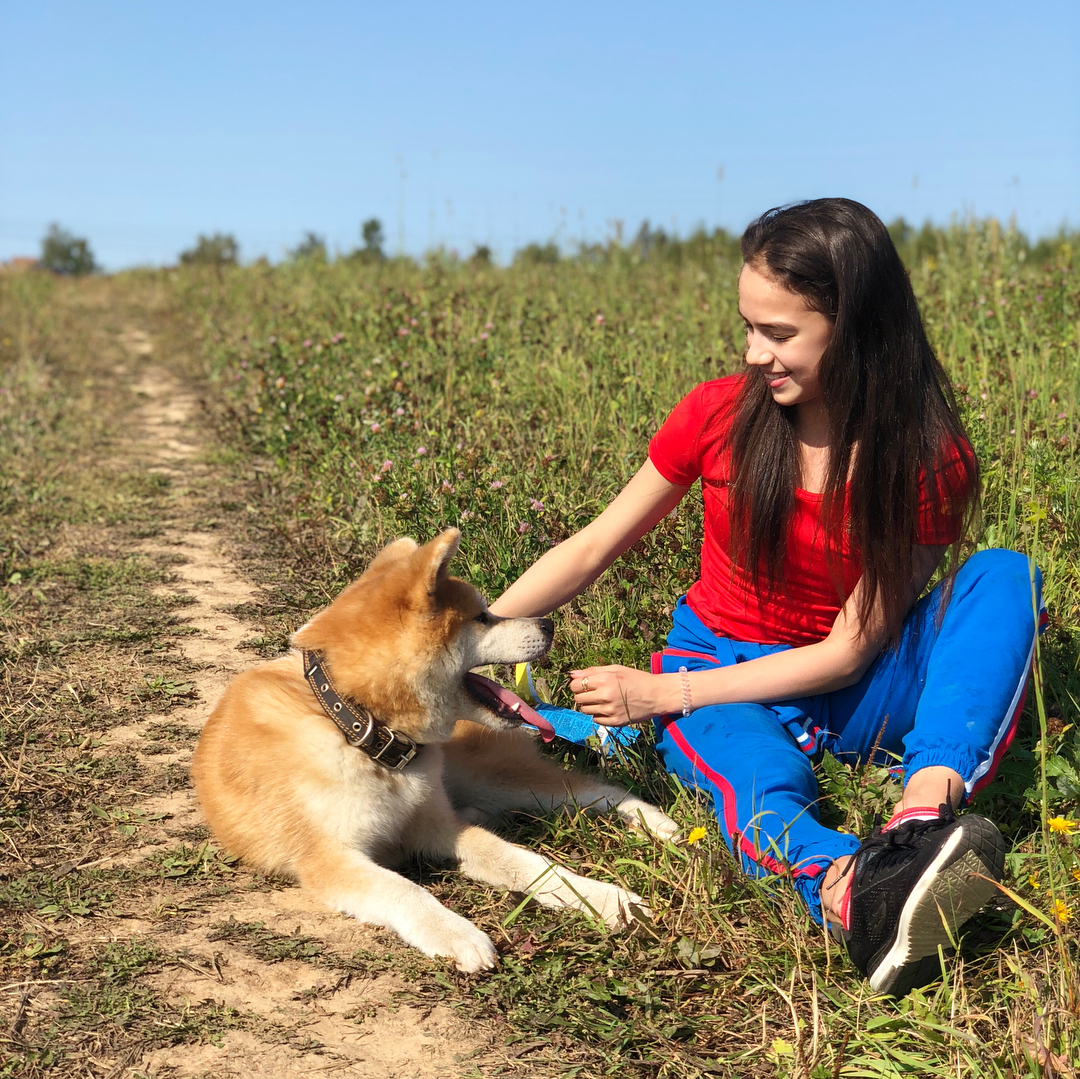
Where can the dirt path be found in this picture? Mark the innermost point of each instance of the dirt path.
(315, 992)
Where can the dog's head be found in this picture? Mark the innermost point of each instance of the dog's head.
(403, 639)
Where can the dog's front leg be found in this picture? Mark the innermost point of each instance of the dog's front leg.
(485, 857)
(350, 882)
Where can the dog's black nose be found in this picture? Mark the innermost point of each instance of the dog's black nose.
(547, 626)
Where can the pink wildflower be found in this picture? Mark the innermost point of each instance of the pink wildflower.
(375, 428)
(307, 342)
(523, 527)
(387, 466)
(599, 320)
(421, 451)
(496, 484)
(536, 506)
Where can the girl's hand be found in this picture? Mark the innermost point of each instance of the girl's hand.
(616, 696)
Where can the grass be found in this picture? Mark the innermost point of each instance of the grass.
(354, 403)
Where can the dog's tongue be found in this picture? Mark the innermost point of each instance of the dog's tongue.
(510, 699)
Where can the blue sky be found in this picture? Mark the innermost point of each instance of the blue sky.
(140, 124)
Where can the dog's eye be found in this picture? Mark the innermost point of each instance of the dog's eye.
(483, 618)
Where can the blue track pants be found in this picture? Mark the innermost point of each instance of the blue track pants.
(950, 695)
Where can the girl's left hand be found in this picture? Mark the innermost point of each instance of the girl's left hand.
(616, 696)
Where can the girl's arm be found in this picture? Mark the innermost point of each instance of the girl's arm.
(619, 695)
(568, 569)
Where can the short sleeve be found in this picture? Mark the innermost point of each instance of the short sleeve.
(944, 495)
(674, 449)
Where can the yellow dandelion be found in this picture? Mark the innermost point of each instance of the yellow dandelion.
(1034, 881)
(1062, 825)
(696, 836)
(1076, 873)
(1063, 911)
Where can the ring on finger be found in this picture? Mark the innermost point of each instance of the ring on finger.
(585, 685)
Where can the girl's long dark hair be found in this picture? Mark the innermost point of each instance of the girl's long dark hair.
(891, 411)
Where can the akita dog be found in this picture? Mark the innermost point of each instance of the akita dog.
(372, 742)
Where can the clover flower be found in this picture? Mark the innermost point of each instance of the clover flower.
(387, 466)
(421, 451)
(536, 506)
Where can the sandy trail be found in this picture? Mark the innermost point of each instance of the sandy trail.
(311, 1020)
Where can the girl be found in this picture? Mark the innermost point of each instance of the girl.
(836, 476)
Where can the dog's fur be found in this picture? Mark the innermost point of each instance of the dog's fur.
(282, 788)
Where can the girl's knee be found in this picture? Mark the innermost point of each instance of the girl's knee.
(1007, 573)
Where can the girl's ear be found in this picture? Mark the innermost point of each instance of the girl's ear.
(434, 557)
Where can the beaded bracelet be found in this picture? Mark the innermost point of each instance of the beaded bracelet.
(686, 703)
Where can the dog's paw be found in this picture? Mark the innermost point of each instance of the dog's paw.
(458, 939)
(647, 818)
(617, 907)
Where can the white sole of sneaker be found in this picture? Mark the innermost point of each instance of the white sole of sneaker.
(940, 898)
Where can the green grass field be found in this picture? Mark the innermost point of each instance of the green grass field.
(372, 401)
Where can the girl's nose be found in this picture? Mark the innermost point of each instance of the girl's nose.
(757, 355)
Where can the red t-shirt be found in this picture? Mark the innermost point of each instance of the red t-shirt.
(691, 444)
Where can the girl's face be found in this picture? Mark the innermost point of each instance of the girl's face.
(785, 339)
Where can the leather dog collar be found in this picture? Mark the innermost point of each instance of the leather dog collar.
(357, 723)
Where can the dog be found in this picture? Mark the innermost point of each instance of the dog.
(372, 743)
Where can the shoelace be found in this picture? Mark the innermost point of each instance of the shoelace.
(899, 840)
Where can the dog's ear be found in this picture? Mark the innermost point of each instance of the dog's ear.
(434, 557)
(399, 548)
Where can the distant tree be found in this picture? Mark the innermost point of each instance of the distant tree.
(221, 249)
(535, 254)
(649, 241)
(481, 256)
(312, 246)
(371, 231)
(64, 253)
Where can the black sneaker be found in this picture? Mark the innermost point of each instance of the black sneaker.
(908, 884)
